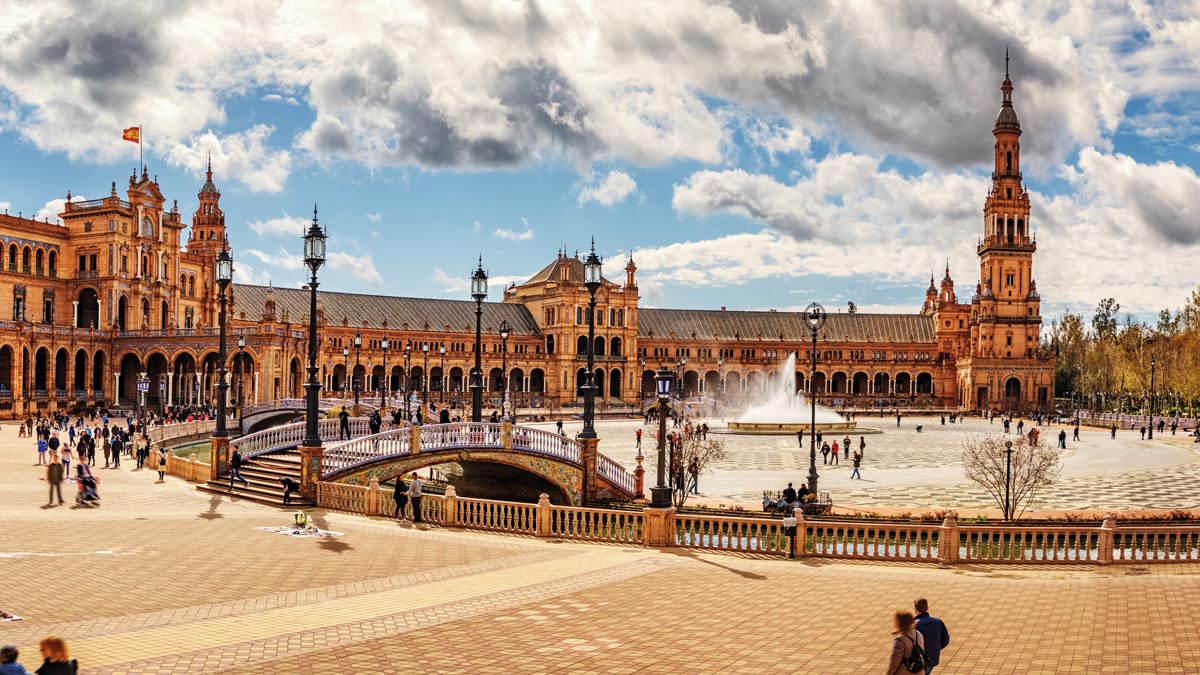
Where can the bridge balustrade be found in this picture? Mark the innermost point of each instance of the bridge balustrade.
(547, 443)
(392, 443)
(615, 473)
(289, 435)
(461, 434)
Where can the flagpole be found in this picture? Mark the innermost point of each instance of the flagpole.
(141, 162)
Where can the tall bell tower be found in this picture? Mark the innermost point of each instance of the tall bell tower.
(1005, 370)
(208, 223)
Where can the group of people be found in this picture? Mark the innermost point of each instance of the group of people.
(56, 659)
(918, 640)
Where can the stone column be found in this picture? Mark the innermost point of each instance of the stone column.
(310, 471)
(948, 540)
(372, 502)
(506, 434)
(588, 451)
(170, 386)
(74, 313)
(257, 398)
(801, 535)
(220, 458)
(414, 439)
(639, 478)
(544, 515)
(450, 510)
(658, 527)
(116, 397)
(1108, 529)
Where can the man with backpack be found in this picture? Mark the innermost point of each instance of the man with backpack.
(934, 631)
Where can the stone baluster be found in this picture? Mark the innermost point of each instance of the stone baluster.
(1108, 530)
(544, 515)
(372, 504)
(948, 540)
(450, 507)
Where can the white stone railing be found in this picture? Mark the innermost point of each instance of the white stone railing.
(168, 433)
(616, 474)
(547, 443)
(276, 438)
(461, 435)
(372, 447)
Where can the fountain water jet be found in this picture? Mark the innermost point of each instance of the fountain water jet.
(786, 411)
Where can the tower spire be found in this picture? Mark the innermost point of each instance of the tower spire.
(1006, 60)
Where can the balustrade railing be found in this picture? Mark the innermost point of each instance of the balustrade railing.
(275, 438)
(166, 433)
(547, 443)
(722, 533)
(1036, 544)
(569, 522)
(461, 434)
(873, 541)
(483, 514)
(394, 443)
(1156, 544)
(615, 474)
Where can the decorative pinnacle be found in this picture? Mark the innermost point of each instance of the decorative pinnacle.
(1006, 59)
(314, 213)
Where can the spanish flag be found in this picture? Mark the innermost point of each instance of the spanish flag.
(133, 135)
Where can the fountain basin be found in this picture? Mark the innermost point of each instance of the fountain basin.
(780, 428)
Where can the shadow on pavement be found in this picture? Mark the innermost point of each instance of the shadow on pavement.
(685, 553)
(214, 501)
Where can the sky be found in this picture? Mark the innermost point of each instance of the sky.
(754, 155)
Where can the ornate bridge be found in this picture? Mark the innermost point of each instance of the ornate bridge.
(258, 413)
(561, 460)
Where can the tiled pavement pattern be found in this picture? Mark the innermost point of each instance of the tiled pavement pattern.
(906, 469)
(163, 580)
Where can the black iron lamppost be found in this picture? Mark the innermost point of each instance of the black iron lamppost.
(815, 314)
(383, 386)
(357, 353)
(660, 494)
(1008, 480)
(407, 379)
(425, 377)
(505, 330)
(591, 279)
(478, 292)
(241, 369)
(641, 373)
(224, 278)
(346, 374)
(1151, 434)
(442, 380)
(314, 257)
(720, 379)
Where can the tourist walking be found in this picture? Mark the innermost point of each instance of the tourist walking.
(115, 447)
(1062, 439)
(907, 645)
(862, 446)
(846, 448)
(57, 660)
(235, 469)
(1075, 435)
(162, 465)
(638, 437)
(8, 661)
(694, 472)
(857, 462)
(414, 496)
(400, 495)
(344, 424)
(54, 477)
(1112, 432)
(43, 447)
(825, 453)
(833, 453)
(933, 630)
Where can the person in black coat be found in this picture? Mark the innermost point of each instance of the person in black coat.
(444, 416)
(400, 494)
(289, 486)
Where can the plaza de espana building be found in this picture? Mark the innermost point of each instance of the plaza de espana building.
(119, 292)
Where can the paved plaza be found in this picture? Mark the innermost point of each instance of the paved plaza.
(163, 579)
(923, 471)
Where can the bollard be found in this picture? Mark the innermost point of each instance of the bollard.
(450, 507)
(372, 504)
(948, 540)
(544, 514)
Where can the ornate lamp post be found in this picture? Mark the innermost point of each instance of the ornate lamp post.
(478, 292)
(314, 257)
(442, 381)
(591, 279)
(1152, 362)
(505, 330)
(224, 278)
(425, 377)
(407, 379)
(346, 373)
(720, 379)
(383, 386)
(660, 494)
(357, 354)
(815, 315)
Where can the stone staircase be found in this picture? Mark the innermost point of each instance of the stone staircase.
(263, 474)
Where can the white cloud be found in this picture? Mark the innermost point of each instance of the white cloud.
(359, 267)
(54, 207)
(244, 273)
(244, 156)
(5, 206)
(613, 189)
(513, 235)
(496, 284)
(285, 225)
(374, 217)
(476, 227)
(283, 258)
(276, 98)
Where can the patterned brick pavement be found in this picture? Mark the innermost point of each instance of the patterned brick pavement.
(162, 579)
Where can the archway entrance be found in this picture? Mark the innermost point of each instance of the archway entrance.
(89, 309)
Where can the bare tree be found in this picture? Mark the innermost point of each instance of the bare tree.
(1012, 483)
(691, 451)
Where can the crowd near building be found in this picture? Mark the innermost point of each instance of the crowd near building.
(110, 308)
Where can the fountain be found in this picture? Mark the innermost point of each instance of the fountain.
(786, 411)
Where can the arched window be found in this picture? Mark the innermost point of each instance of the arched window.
(39, 258)
(620, 317)
(1008, 161)
(191, 286)
(578, 315)
(1020, 227)
(581, 346)
(549, 344)
(614, 346)
(25, 259)
(12, 258)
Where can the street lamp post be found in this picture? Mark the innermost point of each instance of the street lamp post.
(641, 372)
(815, 314)
(383, 386)
(425, 377)
(1152, 362)
(591, 279)
(442, 379)
(1008, 480)
(357, 354)
(660, 494)
(224, 277)
(314, 257)
(407, 380)
(346, 371)
(505, 331)
(478, 293)
(720, 383)
(679, 366)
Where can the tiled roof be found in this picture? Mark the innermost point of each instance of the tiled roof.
(660, 323)
(357, 307)
(574, 272)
